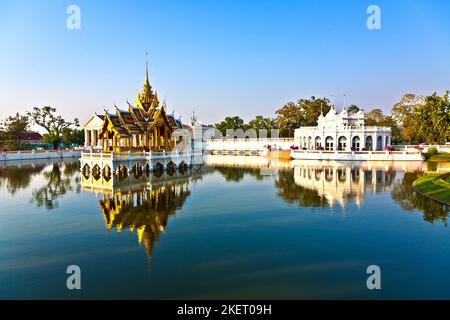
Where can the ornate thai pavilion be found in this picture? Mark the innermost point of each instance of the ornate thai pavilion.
(144, 126)
(342, 131)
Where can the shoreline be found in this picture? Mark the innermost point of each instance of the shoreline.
(427, 181)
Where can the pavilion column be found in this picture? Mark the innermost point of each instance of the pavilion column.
(94, 138)
(166, 138)
(87, 137)
(155, 136)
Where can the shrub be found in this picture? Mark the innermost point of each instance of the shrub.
(432, 151)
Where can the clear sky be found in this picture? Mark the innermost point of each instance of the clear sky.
(235, 57)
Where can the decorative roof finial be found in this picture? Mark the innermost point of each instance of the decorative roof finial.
(146, 65)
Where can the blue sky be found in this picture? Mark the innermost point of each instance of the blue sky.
(220, 57)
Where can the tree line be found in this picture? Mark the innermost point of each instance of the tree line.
(414, 119)
(58, 131)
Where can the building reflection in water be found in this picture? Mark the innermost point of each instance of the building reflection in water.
(142, 202)
(319, 183)
(338, 183)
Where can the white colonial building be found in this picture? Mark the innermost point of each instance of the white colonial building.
(342, 132)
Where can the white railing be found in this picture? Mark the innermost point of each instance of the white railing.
(38, 154)
(143, 154)
(249, 144)
(265, 140)
(440, 148)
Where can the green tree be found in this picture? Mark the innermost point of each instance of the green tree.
(229, 123)
(55, 125)
(11, 129)
(13, 126)
(289, 117)
(312, 108)
(402, 113)
(376, 118)
(353, 109)
(71, 136)
(431, 120)
(261, 123)
(303, 113)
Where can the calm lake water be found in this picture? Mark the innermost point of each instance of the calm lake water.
(238, 227)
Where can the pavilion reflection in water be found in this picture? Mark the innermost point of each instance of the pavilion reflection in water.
(143, 203)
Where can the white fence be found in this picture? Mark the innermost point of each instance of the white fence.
(247, 144)
(39, 154)
(440, 148)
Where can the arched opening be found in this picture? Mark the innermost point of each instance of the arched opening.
(369, 143)
(171, 167)
(182, 167)
(329, 144)
(380, 143)
(387, 142)
(341, 175)
(318, 174)
(310, 144)
(158, 167)
(329, 174)
(122, 172)
(318, 143)
(342, 143)
(355, 175)
(137, 170)
(106, 173)
(356, 144)
(86, 171)
(96, 172)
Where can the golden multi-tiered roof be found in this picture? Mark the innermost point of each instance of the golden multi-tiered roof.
(146, 125)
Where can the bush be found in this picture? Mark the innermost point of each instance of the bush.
(432, 151)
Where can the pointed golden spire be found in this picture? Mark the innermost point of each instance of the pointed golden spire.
(146, 67)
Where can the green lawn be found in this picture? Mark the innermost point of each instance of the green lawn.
(436, 185)
(441, 157)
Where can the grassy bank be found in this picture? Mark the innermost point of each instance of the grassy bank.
(436, 186)
(440, 157)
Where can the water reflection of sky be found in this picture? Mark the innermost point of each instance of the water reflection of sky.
(238, 231)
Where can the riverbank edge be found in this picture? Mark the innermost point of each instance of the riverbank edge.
(428, 182)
